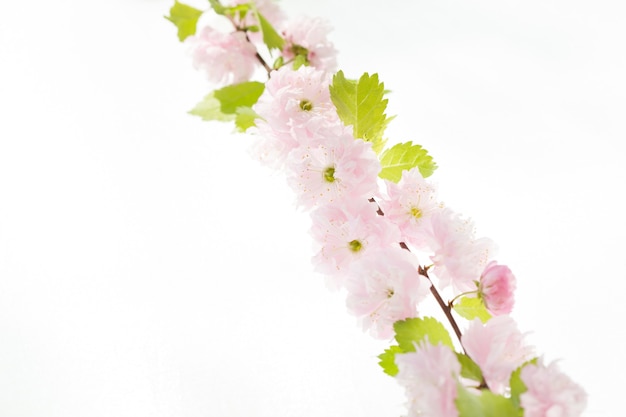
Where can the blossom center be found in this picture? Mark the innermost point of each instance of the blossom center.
(416, 212)
(306, 105)
(299, 50)
(329, 174)
(355, 245)
(390, 292)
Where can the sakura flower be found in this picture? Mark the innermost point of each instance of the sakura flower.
(430, 377)
(346, 232)
(225, 58)
(498, 348)
(458, 257)
(292, 99)
(409, 204)
(496, 287)
(294, 106)
(333, 168)
(308, 37)
(551, 393)
(383, 288)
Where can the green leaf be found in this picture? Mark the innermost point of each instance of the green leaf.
(245, 118)
(234, 96)
(517, 385)
(484, 404)
(185, 18)
(388, 360)
(299, 61)
(472, 307)
(414, 330)
(210, 109)
(238, 11)
(469, 368)
(405, 156)
(361, 104)
(271, 38)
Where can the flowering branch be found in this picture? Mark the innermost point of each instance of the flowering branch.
(260, 58)
(447, 310)
(326, 133)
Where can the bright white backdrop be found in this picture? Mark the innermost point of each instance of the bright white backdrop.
(149, 267)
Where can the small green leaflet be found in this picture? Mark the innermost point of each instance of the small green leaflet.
(245, 118)
(469, 368)
(405, 156)
(299, 61)
(517, 385)
(210, 109)
(185, 18)
(472, 307)
(361, 104)
(414, 330)
(387, 360)
(233, 102)
(271, 38)
(237, 95)
(485, 404)
(238, 11)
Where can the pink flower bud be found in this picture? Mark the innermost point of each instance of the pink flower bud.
(496, 287)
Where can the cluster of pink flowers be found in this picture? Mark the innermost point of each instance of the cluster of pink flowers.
(230, 57)
(334, 176)
(388, 245)
(358, 225)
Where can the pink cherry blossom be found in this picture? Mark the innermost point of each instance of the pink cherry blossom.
(292, 99)
(430, 377)
(551, 393)
(498, 348)
(333, 168)
(409, 204)
(383, 288)
(310, 35)
(294, 106)
(458, 257)
(346, 232)
(496, 287)
(225, 58)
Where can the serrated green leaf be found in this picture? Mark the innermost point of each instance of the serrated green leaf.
(405, 156)
(472, 307)
(469, 368)
(234, 96)
(484, 404)
(388, 360)
(517, 385)
(361, 104)
(414, 330)
(210, 109)
(271, 38)
(185, 18)
(245, 118)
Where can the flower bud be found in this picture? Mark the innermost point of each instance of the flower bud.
(496, 287)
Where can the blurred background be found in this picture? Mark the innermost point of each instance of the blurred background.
(150, 267)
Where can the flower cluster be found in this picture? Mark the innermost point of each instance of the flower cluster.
(381, 234)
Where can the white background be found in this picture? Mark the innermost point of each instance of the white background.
(149, 267)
